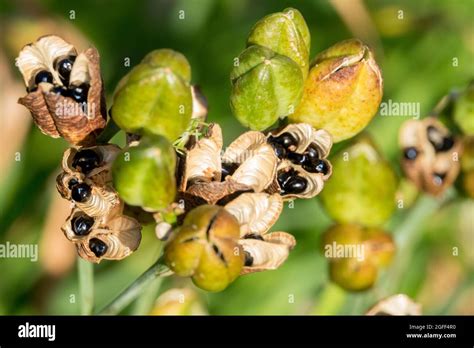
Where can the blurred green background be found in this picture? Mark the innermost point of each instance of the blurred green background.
(423, 56)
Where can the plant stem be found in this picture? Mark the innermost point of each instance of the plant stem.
(108, 133)
(158, 269)
(86, 286)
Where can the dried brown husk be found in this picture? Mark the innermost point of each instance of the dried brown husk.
(200, 106)
(269, 253)
(242, 147)
(399, 304)
(56, 115)
(421, 171)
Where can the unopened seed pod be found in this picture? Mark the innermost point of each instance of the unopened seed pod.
(144, 176)
(155, 96)
(303, 168)
(430, 154)
(464, 110)
(467, 166)
(363, 186)
(205, 248)
(266, 86)
(285, 33)
(65, 91)
(342, 92)
(355, 254)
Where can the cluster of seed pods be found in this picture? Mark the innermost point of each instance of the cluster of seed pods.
(96, 225)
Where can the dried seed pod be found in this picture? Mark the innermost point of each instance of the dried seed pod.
(213, 192)
(285, 33)
(303, 168)
(255, 212)
(399, 304)
(355, 254)
(343, 90)
(200, 106)
(65, 92)
(205, 248)
(266, 86)
(241, 148)
(430, 154)
(145, 174)
(93, 162)
(363, 186)
(203, 160)
(155, 96)
(113, 240)
(266, 252)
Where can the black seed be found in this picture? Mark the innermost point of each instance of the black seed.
(448, 143)
(296, 158)
(286, 140)
(410, 153)
(98, 247)
(81, 192)
(71, 183)
(312, 154)
(60, 90)
(438, 178)
(296, 184)
(284, 176)
(253, 236)
(280, 151)
(82, 224)
(64, 68)
(86, 160)
(321, 166)
(248, 259)
(228, 169)
(43, 76)
(79, 93)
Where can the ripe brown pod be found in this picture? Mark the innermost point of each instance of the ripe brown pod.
(111, 237)
(65, 91)
(303, 167)
(430, 154)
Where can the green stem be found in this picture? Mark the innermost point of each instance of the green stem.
(108, 133)
(158, 269)
(86, 286)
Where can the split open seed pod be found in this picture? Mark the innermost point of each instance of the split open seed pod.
(303, 168)
(430, 154)
(110, 238)
(343, 90)
(285, 33)
(93, 162)
(205, 248)
(256, 214)
(266, 86)
(155, 97)
(65, 91)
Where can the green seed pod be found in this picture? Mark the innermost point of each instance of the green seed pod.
(467, 166)
(342, 92)
(355, 254)
(464, 110)
(143, 175)
(362, 188)
(285, 33)
(205, 248)
(155, 96)
(265, 86)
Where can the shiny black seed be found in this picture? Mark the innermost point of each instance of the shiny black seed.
(253, 236)
(71, 183)
(447, 144)
(79, 93)
(60, 90)
(81, 192)
(248, 259)
(312, 154)
(280, 151)
(64, 68)
(228, 169)
(82, 224)
(86, 160)
(410, 153)
(321, 166)
(98, 247)
(284, 176)
(297, 158)
(295, 184)
(43, 76)
(286, 140)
